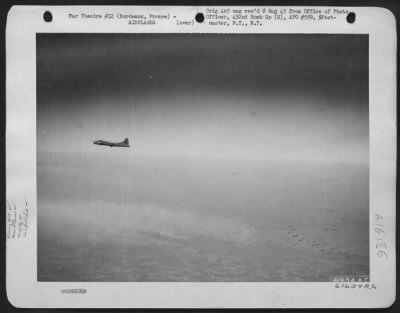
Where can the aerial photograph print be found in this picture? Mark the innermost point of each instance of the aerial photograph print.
(202, 157)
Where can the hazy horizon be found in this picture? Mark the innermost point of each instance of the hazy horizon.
(235, 96)
(249, 157)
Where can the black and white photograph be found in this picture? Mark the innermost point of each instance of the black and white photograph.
(174, 157)
(200, 157)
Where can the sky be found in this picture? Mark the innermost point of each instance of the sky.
(225, 96)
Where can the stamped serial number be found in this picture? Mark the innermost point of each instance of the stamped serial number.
(380, 242)
(355, 286)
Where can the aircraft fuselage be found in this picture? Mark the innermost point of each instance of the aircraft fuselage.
(123, 144)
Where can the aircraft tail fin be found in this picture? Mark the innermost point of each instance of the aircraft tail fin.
(126, 141)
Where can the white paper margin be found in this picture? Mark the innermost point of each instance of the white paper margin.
(23, 290)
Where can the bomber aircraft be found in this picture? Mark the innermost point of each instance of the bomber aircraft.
(123, 144)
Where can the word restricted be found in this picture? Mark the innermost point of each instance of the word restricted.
(74, 291)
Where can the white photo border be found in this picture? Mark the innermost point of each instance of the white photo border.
(23, 289)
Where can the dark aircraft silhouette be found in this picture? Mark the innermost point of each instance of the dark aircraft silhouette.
(123, 144)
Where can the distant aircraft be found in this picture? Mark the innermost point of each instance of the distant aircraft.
(123, 144)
